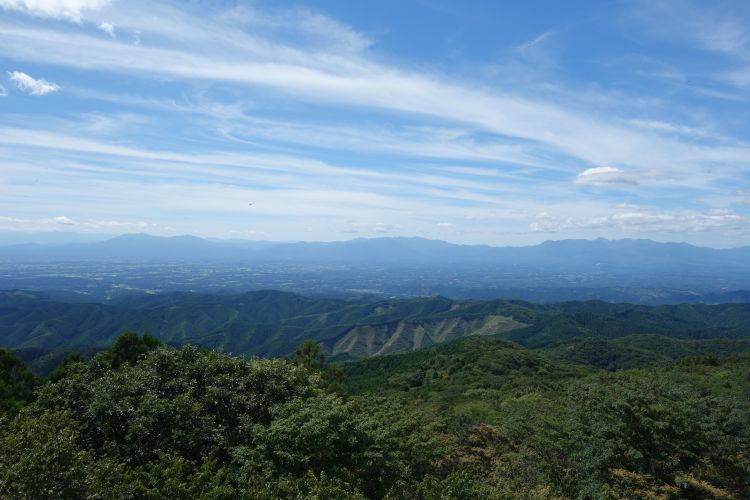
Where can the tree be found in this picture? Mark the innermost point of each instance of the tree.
(309, 354)
(16, 383)
(192, 423)
(40, 457)
(128, 348)
(64, 368)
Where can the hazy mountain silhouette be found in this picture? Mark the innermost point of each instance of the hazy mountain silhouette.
(569, 254)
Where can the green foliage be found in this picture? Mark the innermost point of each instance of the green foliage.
(444, 373)
(526, 427)
(16, 383)
(310, 355)
(325, 434)
(128, 348)
(638, 351)
(477, 418)
(192, 422)
(68, 365)
(186, 402)
(457, 485)
(40, 457)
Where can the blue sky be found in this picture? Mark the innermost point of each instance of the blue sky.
(475, 122)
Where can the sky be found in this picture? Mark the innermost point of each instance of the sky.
(493, 122)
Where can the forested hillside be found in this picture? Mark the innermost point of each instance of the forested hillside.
(475, 418)
(529, 426)
(272, 324)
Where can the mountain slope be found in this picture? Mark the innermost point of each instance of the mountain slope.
(271, 323)
(637, 351)
(523, 422)
(266, 323)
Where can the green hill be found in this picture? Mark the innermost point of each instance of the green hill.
(271, 324)
(523, 425)
(637, 351)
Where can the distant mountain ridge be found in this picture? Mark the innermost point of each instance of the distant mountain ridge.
(632, 253)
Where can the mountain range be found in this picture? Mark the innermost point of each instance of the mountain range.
(628, 270)
(637, 253)
(271, 324)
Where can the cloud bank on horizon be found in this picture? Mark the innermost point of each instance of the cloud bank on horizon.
(472, 122)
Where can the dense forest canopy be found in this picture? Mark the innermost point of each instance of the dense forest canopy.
(476, 418)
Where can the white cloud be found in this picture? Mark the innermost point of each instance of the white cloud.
(433, 142)
(729, 36)
(3, 91)
(108, 28)
(62, 223)
(334, 32)
(63, 220)
(668, 128)
(267, 168)
(116, 225)
(543, 137)
(605, 176)
(627, 206)
(31, 85)
(70, 10)
(644, 220)
(383, 227)
(370, 228)
(233, 54)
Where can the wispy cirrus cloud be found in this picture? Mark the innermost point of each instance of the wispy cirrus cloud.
(669, 128)
(535, 42)
(309, 118)
(71, 10)
(719, 28)
(351, 80)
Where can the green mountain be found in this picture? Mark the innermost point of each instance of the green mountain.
(272, 324)
(266, 323)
